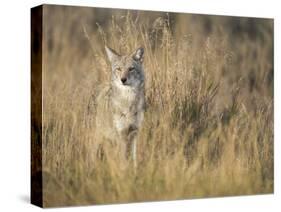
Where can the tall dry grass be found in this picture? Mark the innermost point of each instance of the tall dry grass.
(208, 127)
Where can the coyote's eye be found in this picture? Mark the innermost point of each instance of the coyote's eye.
(131, 69)
(118, 69)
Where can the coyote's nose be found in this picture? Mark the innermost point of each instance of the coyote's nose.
(123, 80)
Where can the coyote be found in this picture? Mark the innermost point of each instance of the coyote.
(120, 106)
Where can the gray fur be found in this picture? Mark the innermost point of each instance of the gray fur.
(120, 105)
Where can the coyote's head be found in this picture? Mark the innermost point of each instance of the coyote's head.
(127, 70)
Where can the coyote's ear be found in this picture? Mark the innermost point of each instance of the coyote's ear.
(138, 54)
(111, 54)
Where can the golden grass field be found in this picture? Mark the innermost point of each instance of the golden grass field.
(208, 125)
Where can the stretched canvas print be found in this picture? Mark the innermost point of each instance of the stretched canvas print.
(133, 106)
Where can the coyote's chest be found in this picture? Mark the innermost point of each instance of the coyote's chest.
(128, 109)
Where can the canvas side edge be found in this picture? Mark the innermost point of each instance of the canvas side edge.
(36, 106)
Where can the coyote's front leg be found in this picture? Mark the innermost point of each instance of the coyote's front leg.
(131, 144)
(132, 137)
(134, 151)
